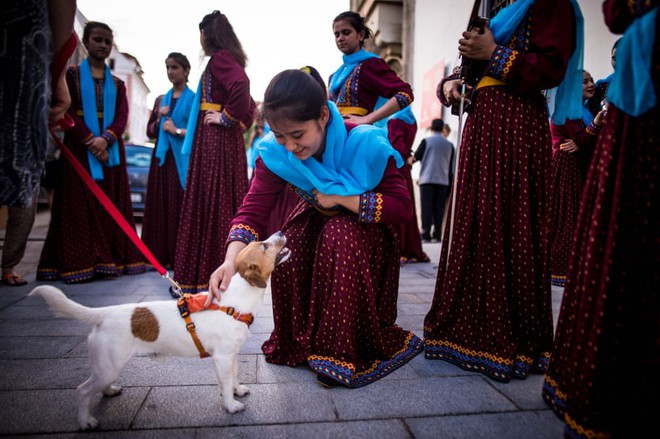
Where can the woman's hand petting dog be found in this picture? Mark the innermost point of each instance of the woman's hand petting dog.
(220, 278)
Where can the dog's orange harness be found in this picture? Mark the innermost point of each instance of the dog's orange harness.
(191, 303)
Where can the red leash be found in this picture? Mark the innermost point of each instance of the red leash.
(67, 123)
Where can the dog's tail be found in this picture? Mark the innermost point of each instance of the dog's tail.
(62, 306)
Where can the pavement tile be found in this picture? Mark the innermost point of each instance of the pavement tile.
(53, 411)
(422, 397)
(266, 404)
(526, 394)
(44, 328)
(320, 430)
(169, 371)
(515, 425)
(37, 347)
(43, 374)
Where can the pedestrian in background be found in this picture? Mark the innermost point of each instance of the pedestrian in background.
(367, 91)
(491, 311)
(603, 377)
(169, 165)
(217, 173)
(436, 155)
(335, 300)
(83, 241)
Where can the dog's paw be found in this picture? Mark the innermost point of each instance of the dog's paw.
(234, 406)
(241, 390)
(112, 390)
(89, 423)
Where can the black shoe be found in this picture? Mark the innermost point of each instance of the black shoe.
(326, 381)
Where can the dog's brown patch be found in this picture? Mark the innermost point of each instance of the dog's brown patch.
(144, 324)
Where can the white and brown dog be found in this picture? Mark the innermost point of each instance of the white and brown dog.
(158, 328)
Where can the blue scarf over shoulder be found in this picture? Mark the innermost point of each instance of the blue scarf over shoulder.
(343, 72)
(631, 89)
(168, 141)
(90, 114)
(568, 96)
(353, 163)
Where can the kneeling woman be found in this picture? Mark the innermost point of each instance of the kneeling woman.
(334, 302)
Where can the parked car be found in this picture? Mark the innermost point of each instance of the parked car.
(138, 160)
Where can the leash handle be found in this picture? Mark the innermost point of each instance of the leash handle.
(67, 123)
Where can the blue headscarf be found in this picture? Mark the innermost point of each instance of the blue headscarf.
(631, 89)
(91, 118)
(353, 163)
(568, 96)
(186, 148)
(168, 141)
(343, 72)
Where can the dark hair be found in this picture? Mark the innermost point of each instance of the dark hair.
(295, 95)
(180, 58)
(437, 125)
(357, 22)
(91, 25)
(219, 34)
(616, 43)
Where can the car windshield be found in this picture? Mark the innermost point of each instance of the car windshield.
(139, 156)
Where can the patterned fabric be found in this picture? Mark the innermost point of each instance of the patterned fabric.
(217, 183)
(501, 62)
(371, 206)
(569, 171)
(603, 377)
(162, 209)
(499, 255)
(334, 301)
(217, 174)
(402, 136)
(83, 241)
(25, 89)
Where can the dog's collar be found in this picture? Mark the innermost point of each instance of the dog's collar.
(191, 303)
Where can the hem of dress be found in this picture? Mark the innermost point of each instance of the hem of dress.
(87, 274)
(556, 400)
(558, 281)
(489, 364)
(344, 372)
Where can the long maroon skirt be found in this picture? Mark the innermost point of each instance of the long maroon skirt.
(603, 378)
(491, 312)
(216, 184)
(567, 184)
(402, 135)
(335, 300)
(83, 241)
(162, 209)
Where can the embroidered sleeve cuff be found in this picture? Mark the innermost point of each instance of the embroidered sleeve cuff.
(404, 99)
(593, 129)
(371, 207)
(243, 233)
(109, 136)
(501, 63)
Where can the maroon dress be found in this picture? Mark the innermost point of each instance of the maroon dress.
(162, 206)
(369, 80)
(603, 378)
(402, 136)
(568, 176)
(217, 173)
(83, 240)
(491, 311)
(335, 300)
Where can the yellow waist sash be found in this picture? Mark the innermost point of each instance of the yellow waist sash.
(357, 111)
(210, 106)
(488, 81)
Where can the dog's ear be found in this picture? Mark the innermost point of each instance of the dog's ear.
(253, 276)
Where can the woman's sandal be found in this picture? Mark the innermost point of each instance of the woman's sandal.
(13, 280)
